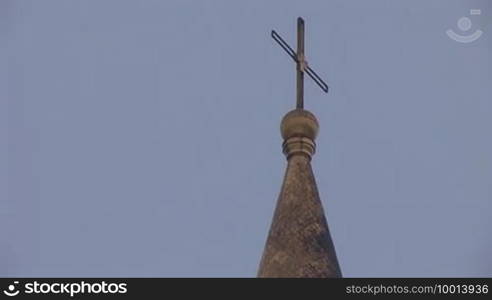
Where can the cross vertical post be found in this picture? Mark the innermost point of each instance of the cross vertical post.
(300, 63)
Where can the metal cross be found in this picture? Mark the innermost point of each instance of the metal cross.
(300, 59)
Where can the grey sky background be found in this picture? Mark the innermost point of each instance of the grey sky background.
(141, 138)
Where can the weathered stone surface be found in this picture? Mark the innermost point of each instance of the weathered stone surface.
(299, 242)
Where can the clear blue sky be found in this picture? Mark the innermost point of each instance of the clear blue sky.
(141, 138)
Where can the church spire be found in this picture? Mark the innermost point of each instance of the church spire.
(299, 242)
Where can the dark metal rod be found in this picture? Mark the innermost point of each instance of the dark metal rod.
(317, 79)
(284, 45)
(300, 59)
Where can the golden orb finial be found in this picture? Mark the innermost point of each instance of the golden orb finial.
(299, 129)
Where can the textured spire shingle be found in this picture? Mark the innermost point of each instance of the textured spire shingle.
(299, 242)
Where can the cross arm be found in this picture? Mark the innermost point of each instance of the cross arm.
(315, 77)
(284, 45)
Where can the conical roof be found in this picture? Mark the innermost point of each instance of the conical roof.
(299, 242)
